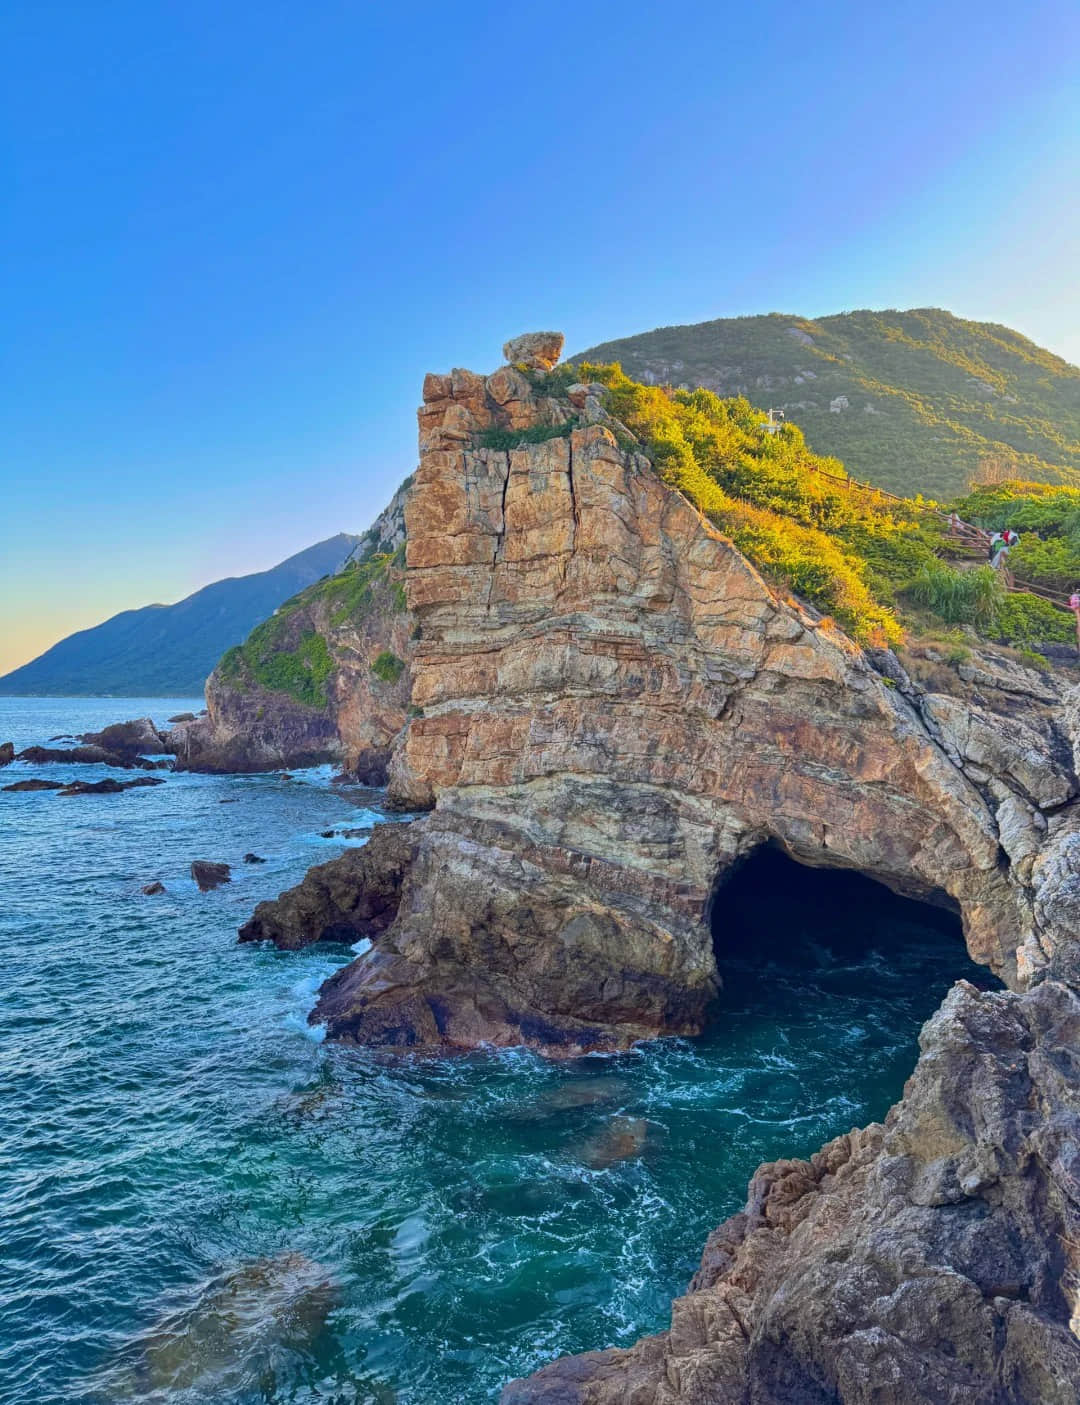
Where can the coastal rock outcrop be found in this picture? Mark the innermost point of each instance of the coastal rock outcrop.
(326, 679)
(612, 708)
(931, 1260)
(209, 874)
(129, 740)
(353, 896)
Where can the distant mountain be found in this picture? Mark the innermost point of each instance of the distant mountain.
(168, 650)
(913, 401)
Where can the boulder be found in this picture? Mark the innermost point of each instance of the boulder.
(153, 889)
(356, 895)
(253, 858)
(36, 784)
(539, 351)
(208, 874)
(7, 753)
(129, 740)
(183, 717)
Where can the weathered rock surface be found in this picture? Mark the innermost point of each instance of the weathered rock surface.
(616, 708)
(928, 1261)
(209, 874)
(537, 350)
(251, 727)
(35, 784)
(7, 753)
(353, 896)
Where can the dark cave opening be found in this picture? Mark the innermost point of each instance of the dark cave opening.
(833, 928)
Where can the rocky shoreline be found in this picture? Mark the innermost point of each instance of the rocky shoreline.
(610, 710)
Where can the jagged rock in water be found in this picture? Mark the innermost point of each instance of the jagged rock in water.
(253, 858)
(129, 740)
(361, 619)
(90, 755)
(209, 874)
(35, 784)
(109, 786)
(537, 350)
(7, 753)
(151, 890)
(353, 896)
(927, 1261)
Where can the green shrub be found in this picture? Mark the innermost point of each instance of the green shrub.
(515, 438)
(388, 667)
(960, 597)
(1028, 619)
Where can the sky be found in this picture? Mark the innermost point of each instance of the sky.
(234, 236)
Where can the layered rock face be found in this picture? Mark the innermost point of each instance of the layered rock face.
(616, 708)
(929, 1261)
(252, 726)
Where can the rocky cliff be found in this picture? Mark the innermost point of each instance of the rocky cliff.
(613, 708)
(326, 678)
(617, 708)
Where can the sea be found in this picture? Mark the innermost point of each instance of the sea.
(204, 1200)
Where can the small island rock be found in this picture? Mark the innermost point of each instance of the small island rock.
(208, 874)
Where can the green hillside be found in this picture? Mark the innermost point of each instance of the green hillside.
(931, 400)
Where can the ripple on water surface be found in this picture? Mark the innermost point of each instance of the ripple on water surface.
(203, 1203)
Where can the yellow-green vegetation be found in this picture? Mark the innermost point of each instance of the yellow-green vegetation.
(930, 398)
(868, 560)
(388, 667)
(287, 654)
(790, 511)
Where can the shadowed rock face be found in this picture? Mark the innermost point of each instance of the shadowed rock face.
(928, 1261)
(617, 708)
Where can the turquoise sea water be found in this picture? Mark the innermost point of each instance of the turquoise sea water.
(203, 1202)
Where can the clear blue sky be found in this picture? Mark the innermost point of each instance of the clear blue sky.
(235, 235)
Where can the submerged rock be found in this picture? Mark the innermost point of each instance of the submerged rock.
(622, 1139)
(35, 784)
(208, 874)
(151, 890)
(927, 1261)
(237, 1329)
(7, 753)
(356, 895)
(253, 858)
